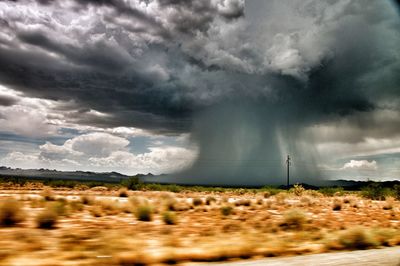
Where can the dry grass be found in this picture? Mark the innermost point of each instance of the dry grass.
(47, 219)
(90, 224)
(294, 219)
(11, 213)
(47, 194)
(337, 204)
(357, 238)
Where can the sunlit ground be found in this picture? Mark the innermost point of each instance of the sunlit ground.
(100, 226)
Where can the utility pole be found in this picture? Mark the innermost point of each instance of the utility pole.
(288, 163)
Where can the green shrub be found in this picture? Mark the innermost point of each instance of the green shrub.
(144, 213)
(396, 191)
(47, 218)
(197, 201)
(375, 191)
(270, 191)
(210, 200)
(169, 218)
(11, 213)
(133, 183)
(332, 191)
(226, 210)
(123, 193)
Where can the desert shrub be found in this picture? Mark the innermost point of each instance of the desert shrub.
(347, 200)
(396, 191)
(313, 193)
(173, 188)
(47, 194)
(76, 205)
(197, 201)
(375, 191)
(47, 219)
(389, 202)
(210, 200)
(226, 210)
(59, 207)
(280, 198)
(109, 207)
(260, 201)
(133, 183)
(171, 204)
(294, 219)
(243, 202)
(384, 236)
(123, 193)
(331, 191)
(297, 190)
(87, 200)
(144, 213)
(169, 217)
(356, 238)
(11, 213)
(267, 194)
(337, 205)
(96, 211)
(270, 191)
(306, 201)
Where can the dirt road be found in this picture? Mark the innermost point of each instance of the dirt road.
(373, 257)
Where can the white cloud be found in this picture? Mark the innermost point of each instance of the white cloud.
(360, 165)
(159, 160)
(100, 151)
(97, 144)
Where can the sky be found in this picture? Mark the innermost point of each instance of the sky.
(213, 91)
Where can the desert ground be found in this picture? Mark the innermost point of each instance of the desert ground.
(114, 226)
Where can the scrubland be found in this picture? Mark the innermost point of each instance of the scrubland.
(40, 225)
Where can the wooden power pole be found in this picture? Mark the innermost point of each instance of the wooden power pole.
(288, 171)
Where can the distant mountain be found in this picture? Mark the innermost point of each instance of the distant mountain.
(111, 177)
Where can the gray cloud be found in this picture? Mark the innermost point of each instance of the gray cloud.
(169, 65)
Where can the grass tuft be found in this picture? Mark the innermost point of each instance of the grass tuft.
(47, 194)
(144, 213)
(294, 219)
(197, 201)
(356, 238)
(11, 213)
(337, 205)
(226, 210)
(123, 193)
(169, 218)
(47, 219)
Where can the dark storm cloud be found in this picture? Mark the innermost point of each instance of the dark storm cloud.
(7, 100)
(118, 75)
(112, 73)
(160, 65)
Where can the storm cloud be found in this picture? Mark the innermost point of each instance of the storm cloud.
(249, 80)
